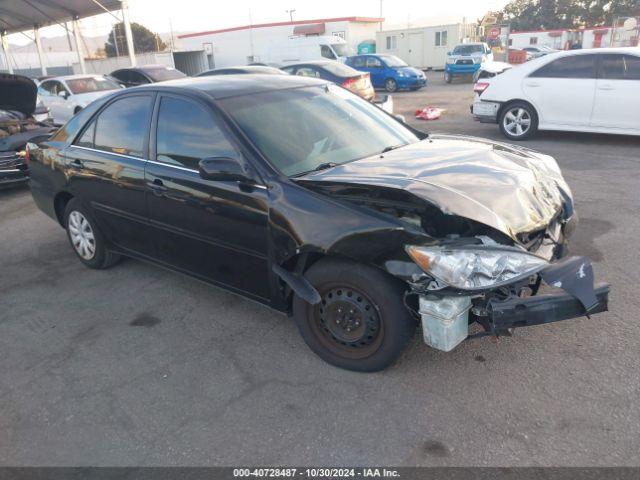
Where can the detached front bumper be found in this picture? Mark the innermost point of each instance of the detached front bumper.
(446, 317)
(541, 309)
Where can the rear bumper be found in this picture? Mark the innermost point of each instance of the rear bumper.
(541, 309)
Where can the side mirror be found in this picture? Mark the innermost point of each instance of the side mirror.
(448, 53)
(223, 169)
(63, 94)
(401, 118)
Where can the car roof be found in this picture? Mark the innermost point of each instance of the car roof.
(225, 86)
(74, 77)
(314, 62)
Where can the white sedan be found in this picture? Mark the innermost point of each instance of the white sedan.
(592, 90)
(67, 95)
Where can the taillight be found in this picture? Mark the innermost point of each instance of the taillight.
(349, 83)
(480, 87)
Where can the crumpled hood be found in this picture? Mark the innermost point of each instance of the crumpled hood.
(17, 93)
(511, 189)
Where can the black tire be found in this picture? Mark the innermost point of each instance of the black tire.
(101, 257)
(364, 298)
(390, 85)
(511, 111)
(448, 78)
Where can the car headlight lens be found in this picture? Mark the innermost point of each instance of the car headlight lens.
(402, 74)
(451, 60)
(475, 268)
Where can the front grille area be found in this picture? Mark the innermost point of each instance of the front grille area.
(11, 160)
(464, 62)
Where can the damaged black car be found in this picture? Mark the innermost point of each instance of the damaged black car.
(302, 196)
(18, 126)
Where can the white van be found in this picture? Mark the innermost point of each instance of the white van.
(302, 49)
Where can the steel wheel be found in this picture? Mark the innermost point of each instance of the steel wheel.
(517, 121)
(81, 234)
(347, 322)
(390, 85)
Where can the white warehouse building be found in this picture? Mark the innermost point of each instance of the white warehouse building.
(249, 43)
(424, 47)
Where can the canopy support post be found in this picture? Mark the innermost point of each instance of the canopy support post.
(76, 36)
(43, 67)
(127, 32)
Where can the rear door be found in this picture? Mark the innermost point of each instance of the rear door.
(563, 91)
(214, 229)
(106, 166)
(617, 101)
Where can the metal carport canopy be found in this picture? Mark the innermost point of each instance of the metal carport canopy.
(22, 15)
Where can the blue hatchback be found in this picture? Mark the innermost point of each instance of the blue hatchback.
(388, 72)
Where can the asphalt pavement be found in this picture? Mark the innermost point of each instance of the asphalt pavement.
(136, 365)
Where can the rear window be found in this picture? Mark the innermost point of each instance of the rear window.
(163, 74)
(340, 69)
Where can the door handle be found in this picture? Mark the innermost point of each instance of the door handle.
(158, 186)
(605, 87)
(77, 164)
(532, 84)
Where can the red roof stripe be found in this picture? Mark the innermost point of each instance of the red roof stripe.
(282, 24)
(560, 30)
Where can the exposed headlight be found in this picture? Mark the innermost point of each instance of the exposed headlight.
(475, 268)
(451, 60)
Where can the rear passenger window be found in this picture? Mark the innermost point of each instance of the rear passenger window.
(122, 126)
(620, 67)
(187, 133)
(86, 139)
(575, 66)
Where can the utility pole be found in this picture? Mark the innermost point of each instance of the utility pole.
(290, 12)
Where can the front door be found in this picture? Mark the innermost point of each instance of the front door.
(60, 107)
(563, 91)
(214, 229)
(617, 103)
(106, 170)
(416, 48)
(375, 67)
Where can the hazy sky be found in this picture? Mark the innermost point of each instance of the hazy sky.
(197, 15)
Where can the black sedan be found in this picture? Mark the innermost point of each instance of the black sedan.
(302, 196)
(336, 72)
(134, 76)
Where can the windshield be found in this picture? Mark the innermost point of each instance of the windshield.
(91, 84)
(163, 74)
(341, 49)
(300, 129)
(393, 61)
(468, 49)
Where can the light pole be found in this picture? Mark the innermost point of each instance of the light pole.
(290, 12)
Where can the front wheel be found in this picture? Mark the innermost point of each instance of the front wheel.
(518, 121)
(361, 323)
(447, 77)
(390, 85)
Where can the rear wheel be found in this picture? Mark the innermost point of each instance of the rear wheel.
(361, 322)
(85, 238)
(390, 85)
(518, 121)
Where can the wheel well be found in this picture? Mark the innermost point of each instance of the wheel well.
(511, 102)
(60, 203)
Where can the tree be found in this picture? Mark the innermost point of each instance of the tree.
(144, 40)
(551, 14)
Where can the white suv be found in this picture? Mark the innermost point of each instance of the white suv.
(592, 90)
